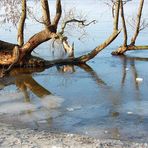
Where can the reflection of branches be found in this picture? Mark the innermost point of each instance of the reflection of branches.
(135, 74)
(26, 81)
(93, 74)
(23, 80)
(86, 68)
(66, 68)
(131, 61)
(124, 71)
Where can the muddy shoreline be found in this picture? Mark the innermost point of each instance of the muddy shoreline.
(12, 137)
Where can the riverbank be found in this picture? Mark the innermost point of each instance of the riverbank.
(26, 138)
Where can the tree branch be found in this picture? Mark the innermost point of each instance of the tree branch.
(20, 35)
(116, 19)
(82, 22)
(123, 24)
(133, 40)
(45, 13)
(111, 38)
(58, 13)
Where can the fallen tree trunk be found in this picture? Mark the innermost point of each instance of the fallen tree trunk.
(21, 56)
(121, 50)
(6, 46)
(7, 57)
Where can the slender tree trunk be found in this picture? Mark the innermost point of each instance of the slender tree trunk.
(45, 13)
(124, 25)
(116, 18)
(58, 13)
(122, 49)
(48, 33)
(20, 36)
(138, 21)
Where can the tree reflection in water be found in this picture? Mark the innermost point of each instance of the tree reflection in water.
(28, 110)
(27, 85)
(42, 114)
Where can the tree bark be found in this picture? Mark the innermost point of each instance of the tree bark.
(123, 24)
(116, 17)
(46, 13)
(133, 40)
(36, 40)
(58, 13)
(121, 50)
(20, 36)
(4, 46)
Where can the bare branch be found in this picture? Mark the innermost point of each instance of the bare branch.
(123, 24)
(94, 52)
(112, 4)
(58, 13)
(20, 36)
(45, 13)
(116, 19)
(82, 22)
(133, 40)
(11, 12)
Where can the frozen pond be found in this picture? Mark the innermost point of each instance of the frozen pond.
(106, 98)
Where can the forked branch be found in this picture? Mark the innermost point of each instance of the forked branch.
(82, 22)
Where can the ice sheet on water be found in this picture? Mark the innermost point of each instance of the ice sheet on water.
(135, 108)
(38, 115)
(5, 97)
(139, 79)
(13, 103)
(73, 108)
(49, 108)
(52, 102)
(16, 107)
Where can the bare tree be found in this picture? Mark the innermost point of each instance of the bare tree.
(21, 55)
(125, 47)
